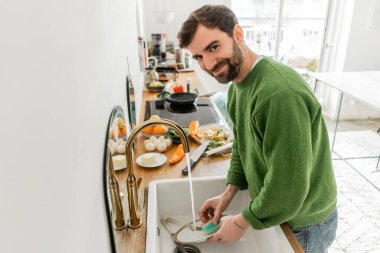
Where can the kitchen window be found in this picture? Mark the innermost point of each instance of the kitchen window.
(290, 31)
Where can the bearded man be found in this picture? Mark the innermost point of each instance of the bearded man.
(281, 150)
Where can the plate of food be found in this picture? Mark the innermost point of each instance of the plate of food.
(155, 86)
(217, 135)
(151, 160)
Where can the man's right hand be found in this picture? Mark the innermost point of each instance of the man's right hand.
(214, 207)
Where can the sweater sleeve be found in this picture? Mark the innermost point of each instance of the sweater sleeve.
(284, 123)
(235, 175)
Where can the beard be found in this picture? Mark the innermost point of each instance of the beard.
(233, 66)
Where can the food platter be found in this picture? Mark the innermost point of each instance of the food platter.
(217, 134)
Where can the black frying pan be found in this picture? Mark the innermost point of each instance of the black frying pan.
(182, 98)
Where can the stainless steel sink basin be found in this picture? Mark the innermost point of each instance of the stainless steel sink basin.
(171, 198)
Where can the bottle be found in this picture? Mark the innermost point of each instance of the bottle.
(163, 43)
(188, 60)
(188, 84)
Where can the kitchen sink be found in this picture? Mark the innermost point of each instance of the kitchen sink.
(171, 198)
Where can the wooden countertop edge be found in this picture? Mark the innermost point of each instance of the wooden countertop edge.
(291, 238)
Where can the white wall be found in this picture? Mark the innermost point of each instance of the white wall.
(363, 49)
(356, 41)
(364, 41)
(63, 68)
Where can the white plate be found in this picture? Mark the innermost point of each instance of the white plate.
(186, 235)
(160, 160)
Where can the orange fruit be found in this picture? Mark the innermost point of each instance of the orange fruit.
(159, 129)
(148, 130)
(112, 133)
(122, 131)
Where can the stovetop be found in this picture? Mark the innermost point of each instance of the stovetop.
(203, 111)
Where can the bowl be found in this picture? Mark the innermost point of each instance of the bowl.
(156, 87)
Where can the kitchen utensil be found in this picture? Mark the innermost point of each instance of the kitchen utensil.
(174, 108)
(204, 111)
(210, 94)
(186, 234)
(195, 155)
(165, 223)
(182, 98)
(218, 150)
(152, 75)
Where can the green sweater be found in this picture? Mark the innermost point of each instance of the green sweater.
(281, 148)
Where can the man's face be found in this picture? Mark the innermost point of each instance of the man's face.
(216, 53)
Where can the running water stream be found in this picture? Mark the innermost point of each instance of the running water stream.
(191, 189)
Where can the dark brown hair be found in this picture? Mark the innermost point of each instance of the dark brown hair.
(211, 16)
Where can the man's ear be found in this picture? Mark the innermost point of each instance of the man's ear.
(238, 33)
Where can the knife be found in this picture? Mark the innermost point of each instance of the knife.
(194, 157)
(218, 150)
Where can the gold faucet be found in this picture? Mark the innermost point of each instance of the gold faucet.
(132, 184)
(117, 208)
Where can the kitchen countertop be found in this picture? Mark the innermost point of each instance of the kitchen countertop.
(361, 85)
(133, 240)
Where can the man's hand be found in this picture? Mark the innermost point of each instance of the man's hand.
(214, 207)
(231, 229)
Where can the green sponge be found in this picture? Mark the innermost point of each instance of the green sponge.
(209, 226)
